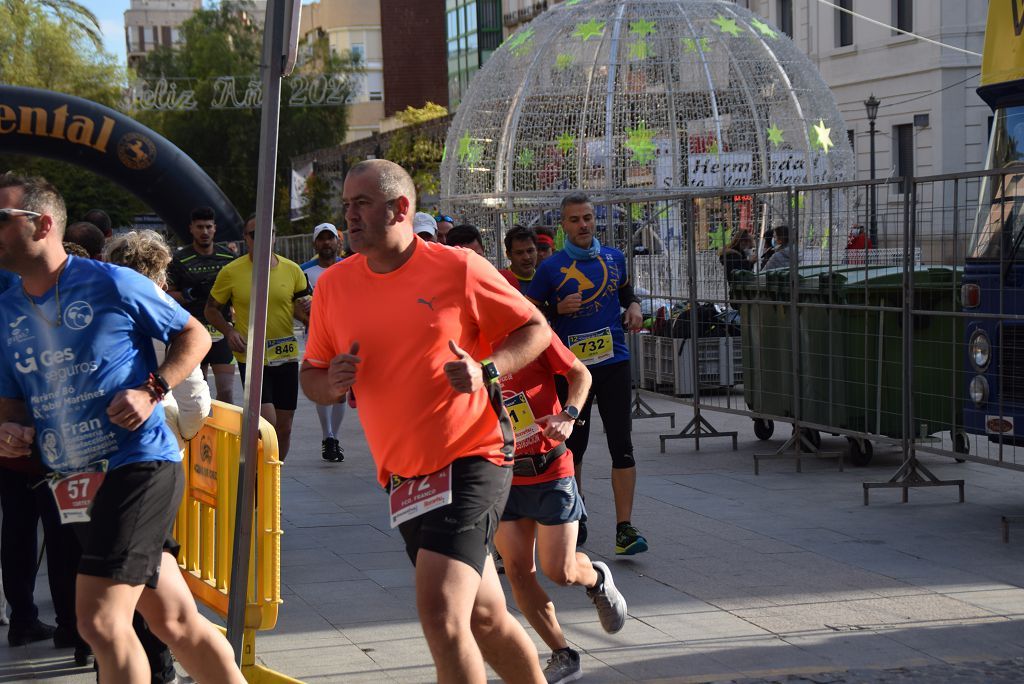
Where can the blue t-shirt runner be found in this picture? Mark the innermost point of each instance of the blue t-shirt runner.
(69, 352)
(594, 333)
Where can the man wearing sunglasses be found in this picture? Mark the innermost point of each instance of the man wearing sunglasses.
(444, 224)
(287, 298)
(80, 392)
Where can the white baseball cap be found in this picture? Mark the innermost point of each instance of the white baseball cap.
(424, 223)
(325, 226)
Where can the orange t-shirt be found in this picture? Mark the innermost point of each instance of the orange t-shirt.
(415, 423)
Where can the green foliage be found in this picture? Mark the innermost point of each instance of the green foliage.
(40, 49)
(417, 153)
(319, 205)
(225, 142)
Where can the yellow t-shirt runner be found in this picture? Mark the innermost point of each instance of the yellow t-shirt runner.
(287, 283)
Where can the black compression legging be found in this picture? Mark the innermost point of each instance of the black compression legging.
(612, 386)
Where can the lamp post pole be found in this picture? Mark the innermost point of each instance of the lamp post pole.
(871, 105)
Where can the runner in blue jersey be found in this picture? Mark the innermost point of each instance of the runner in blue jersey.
(588, 285)
(327, 244)
(80, 390)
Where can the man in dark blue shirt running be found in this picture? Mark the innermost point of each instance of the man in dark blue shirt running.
(588, 284)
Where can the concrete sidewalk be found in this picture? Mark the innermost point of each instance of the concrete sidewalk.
(747, 576)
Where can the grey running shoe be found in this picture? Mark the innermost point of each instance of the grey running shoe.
(563, 666)
(611, 606)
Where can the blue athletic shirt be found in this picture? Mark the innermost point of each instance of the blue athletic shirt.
(69, 374)
(8, 280)
(598, 280)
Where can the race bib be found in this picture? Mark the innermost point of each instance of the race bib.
(215, 335)
(417, 495)
(524, 423)
(74, 495)
(592, 347)
(282, 350)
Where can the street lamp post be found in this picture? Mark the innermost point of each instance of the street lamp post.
(871, 105)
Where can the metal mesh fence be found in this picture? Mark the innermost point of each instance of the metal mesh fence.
(902, 326)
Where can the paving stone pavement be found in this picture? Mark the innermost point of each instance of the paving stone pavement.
(782, 577)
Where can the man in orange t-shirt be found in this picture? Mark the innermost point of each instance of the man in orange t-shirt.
(544, 507)
(404, 324)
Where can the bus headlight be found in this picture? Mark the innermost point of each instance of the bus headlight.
(979, 350)
(978, 390)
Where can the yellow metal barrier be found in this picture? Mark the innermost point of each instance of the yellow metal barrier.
(205, 527)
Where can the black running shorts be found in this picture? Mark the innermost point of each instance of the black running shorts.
(464, 529)
(220, 353)
(280, 385)
(131, 521)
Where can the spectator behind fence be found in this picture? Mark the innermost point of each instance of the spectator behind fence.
(857, 245)
(87, 236)
(521, 250)
(782, 249)
(467, 236)
(739, 254)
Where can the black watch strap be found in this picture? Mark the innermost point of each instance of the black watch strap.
(491, 374)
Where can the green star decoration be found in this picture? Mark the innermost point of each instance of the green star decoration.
(826, 238)
(811, 233)
(823, 136)
(775, 135)
(470, 151)
(520, 43)
(636, 212)
(797, 200)
(640, 144)
(566, 142)
(564, 61)
(642, 28)
(718, 238)
(639, 49)
(571, 3)
(525, 159)
(764, 28)
(690, 44)
(714, 148)
(589, 29)
(727, 26)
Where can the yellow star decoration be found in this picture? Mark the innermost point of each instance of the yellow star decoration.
(639, 49)
(563, 61)
(566, 143)
(642, 28)
(775, 135)
(520, 43)
(764, 28)
(639, 143)
(690, 45)
(823, 136)
(589, 29)
(727, 26)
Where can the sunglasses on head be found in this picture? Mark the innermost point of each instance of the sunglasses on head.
(443, 218)
(7, 213)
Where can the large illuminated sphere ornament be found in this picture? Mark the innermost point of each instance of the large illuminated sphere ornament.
(629, 98)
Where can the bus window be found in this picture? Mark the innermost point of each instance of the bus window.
(1000, 215)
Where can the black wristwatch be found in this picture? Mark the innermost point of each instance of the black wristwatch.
(491, 374)
(571, 411)
(157, 385)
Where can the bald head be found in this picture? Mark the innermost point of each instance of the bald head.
(392, 179)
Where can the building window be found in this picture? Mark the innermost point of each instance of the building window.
(359, 52)
(786, 17)
(165, 36)
(141, 45)
(903, 15)
(903, 146)
(851, 138)
(844, 23)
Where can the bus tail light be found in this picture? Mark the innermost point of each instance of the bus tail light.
(970, 295)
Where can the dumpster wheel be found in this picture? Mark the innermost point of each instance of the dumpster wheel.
(961, 445)
(861, 451)
(813, 436)
(764, 429)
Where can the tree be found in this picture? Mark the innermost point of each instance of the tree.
(43, 48)
(225, 142)
(416, 152)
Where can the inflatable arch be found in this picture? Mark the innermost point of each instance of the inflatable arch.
(44, 123)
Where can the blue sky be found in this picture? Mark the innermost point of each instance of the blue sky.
(111, 16)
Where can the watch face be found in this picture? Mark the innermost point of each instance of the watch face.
(490, 371)
(572, 412)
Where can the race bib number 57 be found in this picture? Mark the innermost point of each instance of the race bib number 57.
(74, 495)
